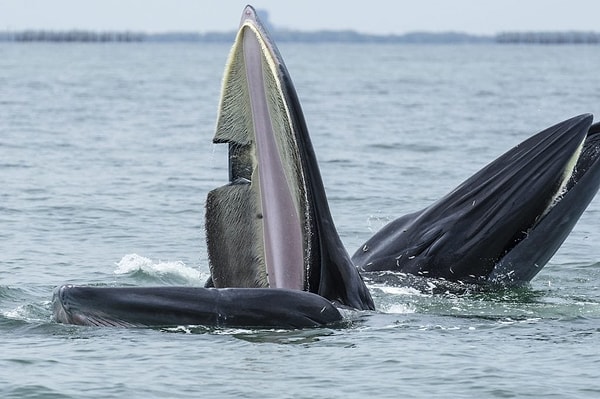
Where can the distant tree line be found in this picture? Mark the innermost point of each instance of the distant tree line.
(283, 35)
(347, 36)
(549, 37)
(71, 36)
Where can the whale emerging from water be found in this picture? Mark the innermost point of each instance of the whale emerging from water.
(503, 224)
(276, 259)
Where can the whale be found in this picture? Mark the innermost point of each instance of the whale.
(504, 223)
(184, 306)
(275, 257)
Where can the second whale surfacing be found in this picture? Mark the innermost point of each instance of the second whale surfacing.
(276, 259)
(504, 223)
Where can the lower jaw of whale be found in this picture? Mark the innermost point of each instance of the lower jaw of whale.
(185, 306)
(502, 225)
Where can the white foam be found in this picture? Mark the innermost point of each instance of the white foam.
(400, 308)
(406, 291)
(132, 263)
(32, 312)
(19, 313)
(183, 329)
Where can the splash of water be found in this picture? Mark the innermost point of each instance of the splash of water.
(134, 263)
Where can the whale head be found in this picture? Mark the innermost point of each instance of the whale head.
(504, 223)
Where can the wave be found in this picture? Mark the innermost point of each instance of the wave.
(165, 271)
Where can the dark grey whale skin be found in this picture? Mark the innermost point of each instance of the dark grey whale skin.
(182, 306)
(495, 228)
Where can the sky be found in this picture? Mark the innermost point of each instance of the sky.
(372, 16)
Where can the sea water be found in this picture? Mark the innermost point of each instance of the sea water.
(105, 162)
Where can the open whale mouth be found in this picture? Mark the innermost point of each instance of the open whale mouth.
(260, 217)
(276, 259)
(504, 223)
(271, 225)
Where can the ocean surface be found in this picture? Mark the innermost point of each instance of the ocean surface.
(106, 157)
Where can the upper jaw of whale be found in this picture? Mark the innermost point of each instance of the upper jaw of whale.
(504, 223)
(271, 225)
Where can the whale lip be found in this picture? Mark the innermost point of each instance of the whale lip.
(60, 309)
(70, 307)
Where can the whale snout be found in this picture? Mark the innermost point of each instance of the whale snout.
(60, 310)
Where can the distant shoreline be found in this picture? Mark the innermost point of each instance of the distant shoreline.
(83, 36)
